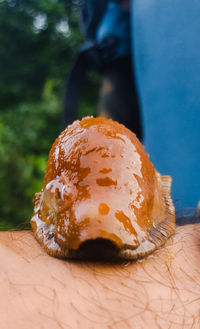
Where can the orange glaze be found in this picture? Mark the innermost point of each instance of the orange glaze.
(100, 183)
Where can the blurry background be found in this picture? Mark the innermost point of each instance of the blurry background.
(38, 39)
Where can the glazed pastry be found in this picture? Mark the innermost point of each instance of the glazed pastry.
(102, 197)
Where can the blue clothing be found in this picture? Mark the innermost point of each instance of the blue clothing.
(164, 36)
(116, 24)
(106, 27)
(166, 55)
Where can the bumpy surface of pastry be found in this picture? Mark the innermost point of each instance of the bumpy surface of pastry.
(102, 197)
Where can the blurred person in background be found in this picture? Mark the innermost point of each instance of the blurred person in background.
(107, 49)
(162, 43)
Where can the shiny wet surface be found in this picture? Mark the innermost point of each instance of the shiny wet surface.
(104, 166)
(99, 183)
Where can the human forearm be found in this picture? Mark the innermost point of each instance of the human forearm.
(44, 292)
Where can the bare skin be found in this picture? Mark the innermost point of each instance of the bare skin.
(39, 291)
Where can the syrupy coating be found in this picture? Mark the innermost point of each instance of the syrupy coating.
(100, 183)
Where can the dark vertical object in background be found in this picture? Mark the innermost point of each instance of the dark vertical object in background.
(91, 14)
(167, 64)
(73, 89)
(88, 57)
(107, 49)
(118, 98)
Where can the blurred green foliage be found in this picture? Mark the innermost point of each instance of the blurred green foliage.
(38, 40)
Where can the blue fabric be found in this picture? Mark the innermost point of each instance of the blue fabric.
(115, 23)
(166, 54)
(92, 12)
